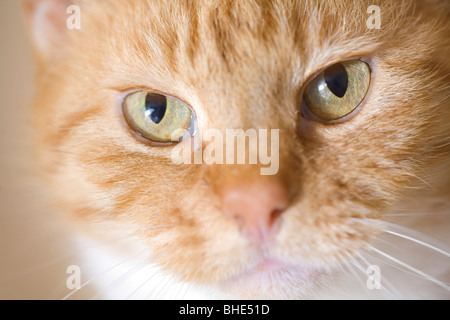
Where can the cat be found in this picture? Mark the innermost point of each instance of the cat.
(363, 119)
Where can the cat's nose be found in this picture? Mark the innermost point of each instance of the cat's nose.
(256, 206)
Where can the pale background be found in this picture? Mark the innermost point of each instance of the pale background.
(33, 251)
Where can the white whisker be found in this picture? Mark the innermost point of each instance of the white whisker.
(426, 276)
(142, 285)
(397, 267)
(151, 294)
(412, 237)
(99, 275)
(415, 214)
(358, 265)
(355, 275)
(160, 291)
(389, 287)
(419, 242)
(180, 295)
(125, 276)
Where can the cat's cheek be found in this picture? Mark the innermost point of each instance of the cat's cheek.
(312, 129)
(307, 130)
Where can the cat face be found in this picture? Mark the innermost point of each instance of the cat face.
(241, 65)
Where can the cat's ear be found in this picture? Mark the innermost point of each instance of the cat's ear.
(47, 21)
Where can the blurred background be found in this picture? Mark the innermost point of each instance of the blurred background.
(33, 247)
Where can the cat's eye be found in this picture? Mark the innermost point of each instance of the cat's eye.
(156, 117)
(338, 90)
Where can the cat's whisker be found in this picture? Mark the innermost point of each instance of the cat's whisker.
(336, 290)
(152, 276)
(349, 264)
(123, 278)
(391, 291)
(151, 8)
(421, 179)
(341, 268)
(161, 289)
(397, 267)
(424, 275)
(412, 237)
(92, 279)
(419, 242)
(157, 272)
(389, 287)
(143, 284)
(186, 286)
(357, 275)
(151, 294)
(415, 214)
(291, 279)
(358, 265)
(179, 295)
(416, 272)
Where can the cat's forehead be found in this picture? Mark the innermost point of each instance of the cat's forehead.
(231, 37)
(232, 54)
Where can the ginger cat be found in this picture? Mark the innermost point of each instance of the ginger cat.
(364, 137)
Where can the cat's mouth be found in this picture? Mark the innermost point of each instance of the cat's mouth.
(271, 277)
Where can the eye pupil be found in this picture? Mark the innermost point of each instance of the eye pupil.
(336, 78)
(155, 107)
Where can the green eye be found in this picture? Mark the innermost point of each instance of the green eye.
(157, 117)
(338, 90)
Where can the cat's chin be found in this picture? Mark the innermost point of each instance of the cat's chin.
(273, 279)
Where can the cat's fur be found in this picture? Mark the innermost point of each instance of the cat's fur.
(241, 64)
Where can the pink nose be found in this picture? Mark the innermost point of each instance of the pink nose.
(256, 207)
